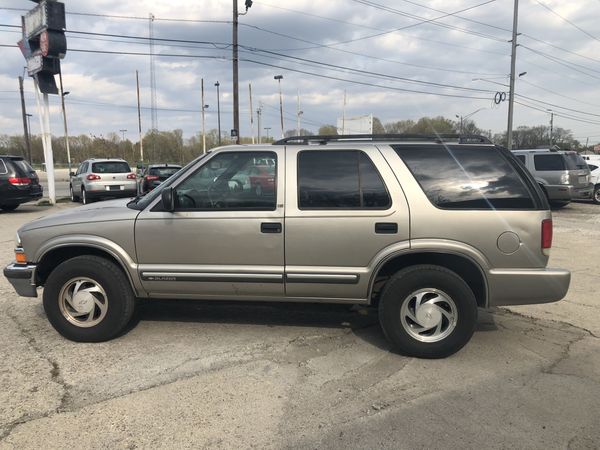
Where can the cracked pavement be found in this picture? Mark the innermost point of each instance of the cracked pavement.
(229, 375)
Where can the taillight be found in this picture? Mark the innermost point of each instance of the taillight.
(152, 177)
(546, 236)
(19, 181)
(131, 176)
(92, 177)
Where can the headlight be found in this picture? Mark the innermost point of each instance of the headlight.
(18, 240)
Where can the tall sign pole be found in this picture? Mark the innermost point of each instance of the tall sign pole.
(511, 94)
(64, 112)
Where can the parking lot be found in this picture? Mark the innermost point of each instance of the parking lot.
(230, 375)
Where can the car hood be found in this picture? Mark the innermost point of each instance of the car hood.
(106, 211)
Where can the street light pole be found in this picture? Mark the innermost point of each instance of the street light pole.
(203, 109)
(279, 78)
(62, 100)
(236, 95)
(217, 84)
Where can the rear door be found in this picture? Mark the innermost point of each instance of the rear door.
(340, 214)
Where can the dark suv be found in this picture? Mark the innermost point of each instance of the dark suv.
(18, 182)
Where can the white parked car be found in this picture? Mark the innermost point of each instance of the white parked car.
(595, 178)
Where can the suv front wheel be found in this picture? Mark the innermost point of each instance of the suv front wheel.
(427, 311)
(88, 299)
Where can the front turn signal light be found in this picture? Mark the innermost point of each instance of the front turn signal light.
(20, 257)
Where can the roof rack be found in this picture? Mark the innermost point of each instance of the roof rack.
(438, 138)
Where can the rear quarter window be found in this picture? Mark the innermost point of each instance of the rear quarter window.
(466, 177)
(548, 163)
(22, 167)
(3, 169)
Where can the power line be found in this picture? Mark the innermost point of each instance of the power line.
(558, 93)
(424, 20)
(558, 114)
(559, 48)
(563, 62)
(567, 20)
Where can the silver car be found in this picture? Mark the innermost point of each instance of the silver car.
(562, 175)
(102, 178)
(426, 229)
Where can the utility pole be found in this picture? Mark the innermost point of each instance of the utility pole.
(279, 78)
(217, 84)
(551, 126)
(137, 82)
(513, 58)
(258, 113)
(251, 113)
(344, 114)
(64, 112)
(298, 113)
(203, 108)
(25, 127)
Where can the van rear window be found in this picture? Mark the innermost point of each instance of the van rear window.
(461, 177)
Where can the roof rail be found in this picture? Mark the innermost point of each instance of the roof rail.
(438, 138)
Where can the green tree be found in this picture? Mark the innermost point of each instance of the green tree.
(328, 130)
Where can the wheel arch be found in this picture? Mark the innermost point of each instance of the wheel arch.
(52, 256)
(464, 266)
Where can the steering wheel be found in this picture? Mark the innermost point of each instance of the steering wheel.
(190, 198)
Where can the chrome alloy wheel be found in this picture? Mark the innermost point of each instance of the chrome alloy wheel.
(83, 302)
(428, 315)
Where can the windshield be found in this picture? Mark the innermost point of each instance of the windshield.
(141, 202)
(575, 161)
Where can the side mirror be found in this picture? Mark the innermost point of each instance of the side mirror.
(168, 199)
(71, 174)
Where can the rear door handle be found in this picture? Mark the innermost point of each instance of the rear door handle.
(270, 227)
(386, 228)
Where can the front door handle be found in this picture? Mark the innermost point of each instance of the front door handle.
(386, 228)
(270, 227)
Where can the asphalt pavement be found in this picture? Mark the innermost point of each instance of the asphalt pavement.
(233, 375)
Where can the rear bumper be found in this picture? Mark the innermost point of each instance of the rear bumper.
(21, 276)
(527, 286)
(17, 197)
(581, 193)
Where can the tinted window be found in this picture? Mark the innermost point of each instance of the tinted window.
(163, 172)
(339, 180)
(3, 169)
(456, 177)
(521, 158)
(110, 167)
(575, 161)
(225, 182)
(591, 166)
(549, 162)
(22, 167)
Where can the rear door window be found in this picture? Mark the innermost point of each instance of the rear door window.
(3, 169)
(547, 163)
(110, 167)
(521, 158)
(339, 179)
(461, 177)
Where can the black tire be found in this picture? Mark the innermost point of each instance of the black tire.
(84, 198)
(596, 195)
(9, 208)
(74, 198)
(403, 286)
(119, 299)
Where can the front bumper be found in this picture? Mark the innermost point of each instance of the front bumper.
(21, 276)
(527, 286)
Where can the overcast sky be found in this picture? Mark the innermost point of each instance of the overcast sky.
(322, 49)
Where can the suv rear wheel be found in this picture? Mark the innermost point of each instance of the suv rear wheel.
(596, 195)
(88, 299)
(427, 311)
(84, 199)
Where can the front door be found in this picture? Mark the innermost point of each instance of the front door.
(225, 237)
